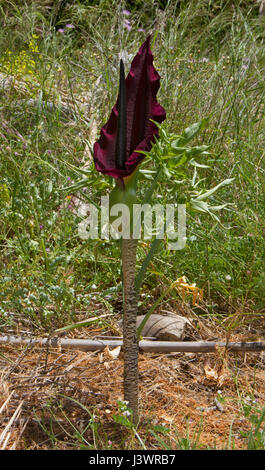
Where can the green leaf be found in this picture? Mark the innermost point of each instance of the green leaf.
(180, 161)
(145, 264)
(194, 129)
(49, 187)
(198, 150)
(84, 182)
(199, 205)
(211, 191)
(160, 428)
(161, 442)
(218, 208)
(199, 165)
(123, 420)
(177, 150)
(82, 323)
(152, 309)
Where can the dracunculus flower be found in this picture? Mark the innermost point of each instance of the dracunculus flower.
(129, 128)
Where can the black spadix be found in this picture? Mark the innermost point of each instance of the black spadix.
(121, 136)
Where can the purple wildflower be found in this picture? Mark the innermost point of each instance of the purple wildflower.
(127, 26)
(126, 12)
(70, 26)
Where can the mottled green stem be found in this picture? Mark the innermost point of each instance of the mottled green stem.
(130, 341)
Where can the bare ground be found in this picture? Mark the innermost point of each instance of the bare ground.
(49, 397)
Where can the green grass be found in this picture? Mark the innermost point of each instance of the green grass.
(211, 62)
(63, 431)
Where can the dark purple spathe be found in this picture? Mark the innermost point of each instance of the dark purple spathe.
(142, 84)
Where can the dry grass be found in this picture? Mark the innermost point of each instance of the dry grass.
(49, 396)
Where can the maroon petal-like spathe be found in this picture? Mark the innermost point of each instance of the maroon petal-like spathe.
(142, 84)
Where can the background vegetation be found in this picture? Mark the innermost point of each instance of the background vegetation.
(58, 83)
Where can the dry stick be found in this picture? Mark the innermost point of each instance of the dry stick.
(130, 343)
(144, 346)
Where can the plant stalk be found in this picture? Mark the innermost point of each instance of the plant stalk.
(130, 340)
